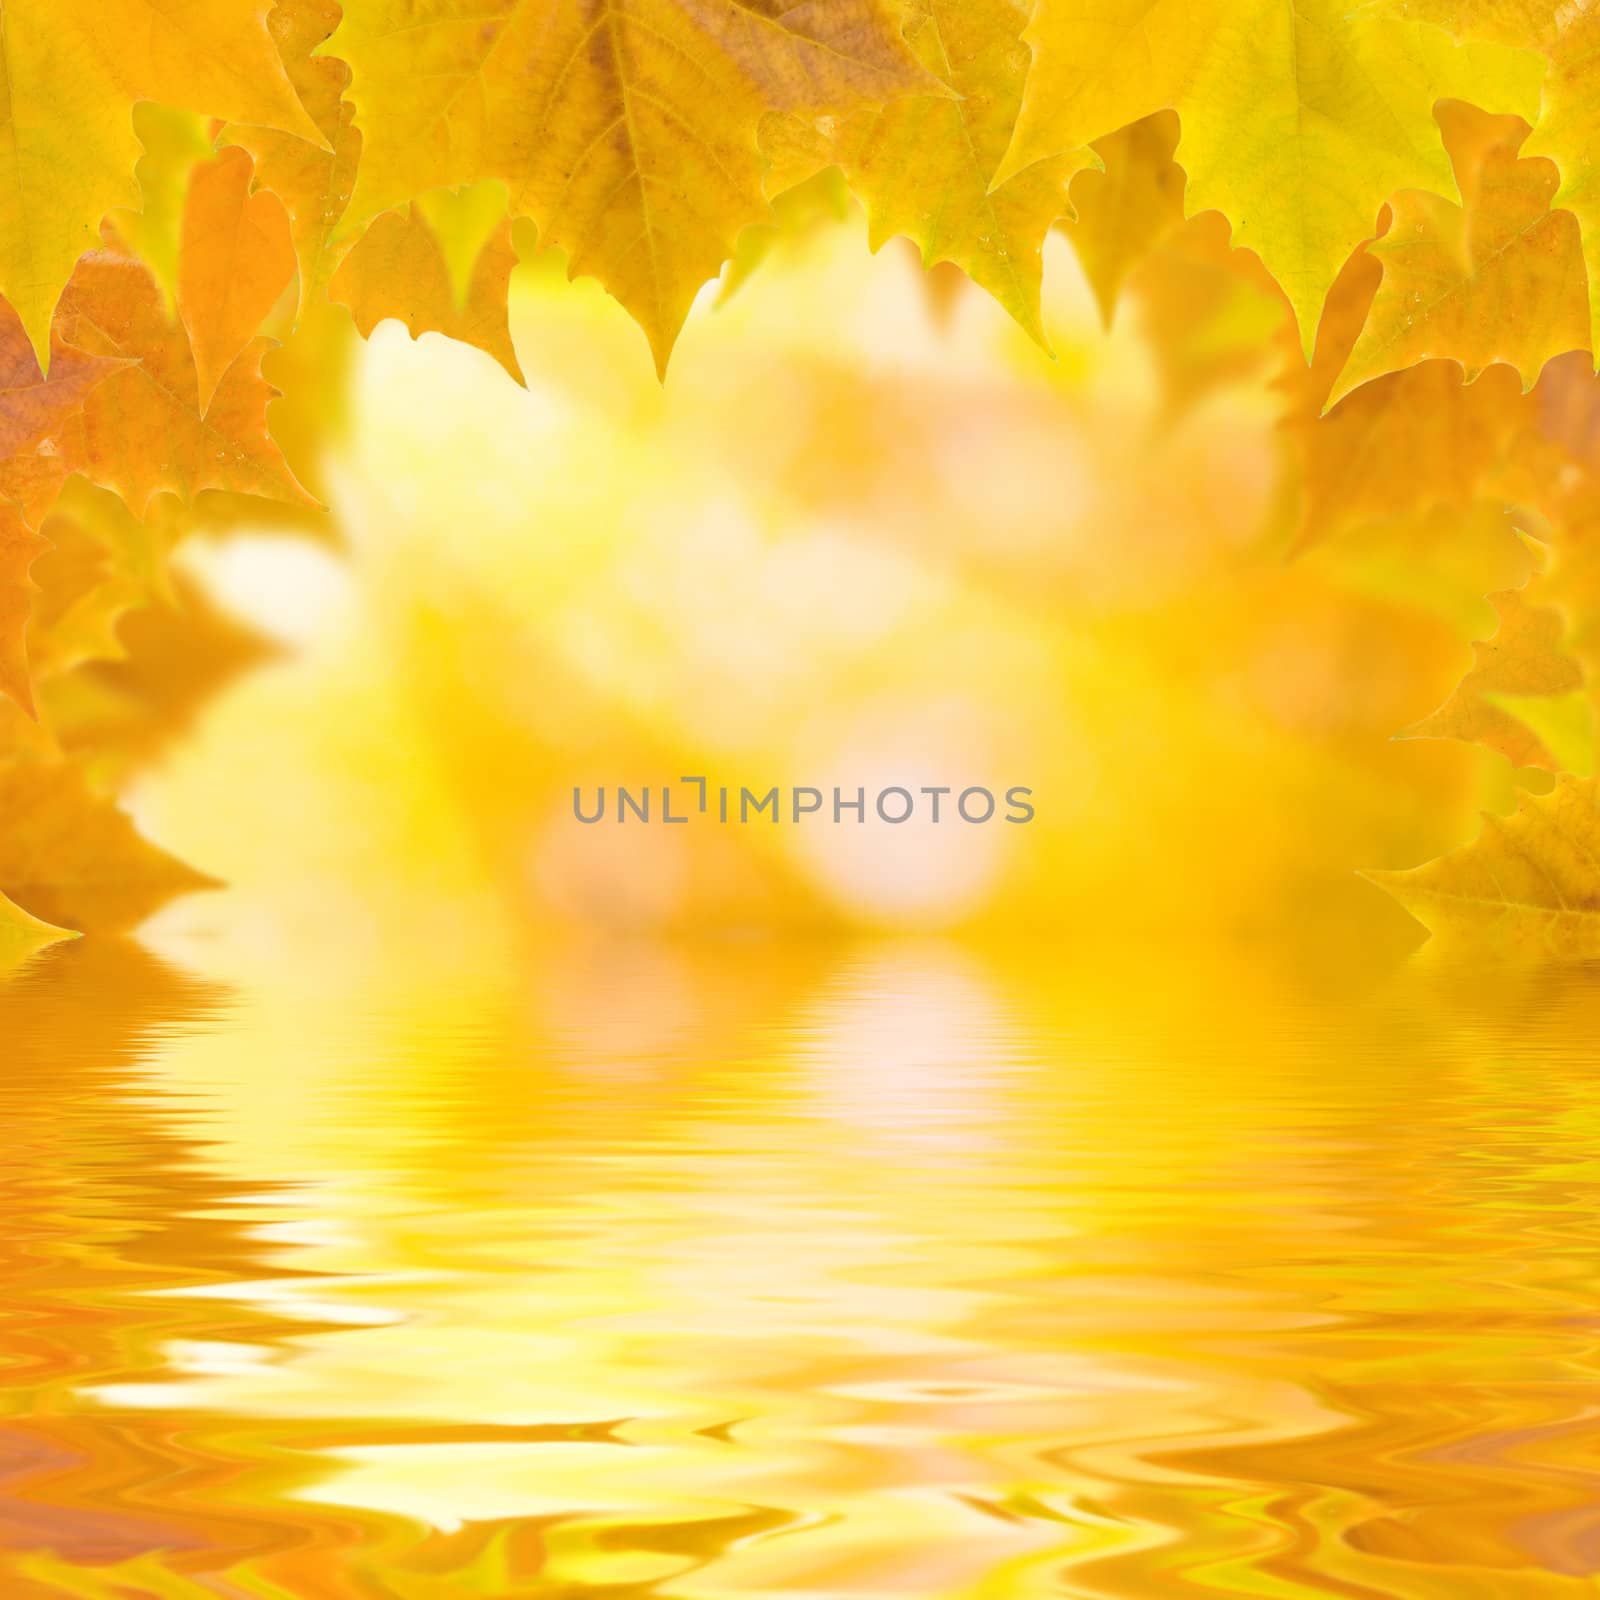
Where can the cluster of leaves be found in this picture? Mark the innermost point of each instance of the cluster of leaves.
(1418, 180)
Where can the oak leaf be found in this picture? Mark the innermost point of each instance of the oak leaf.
(70, 857)
(400, 268)
(71, 73)
(1298, 121)
(921, 164)
(1529, 885)
(625, 129)
(1500, 278)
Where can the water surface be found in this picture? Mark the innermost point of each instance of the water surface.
(761, 1271)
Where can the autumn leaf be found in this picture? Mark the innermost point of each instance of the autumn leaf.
(19, 547)
(1529, 884)
(22, 935)
(1521, 676)
(115, 716)
(35, 413)
(1212, 312)
(1527, 23)
(1570, 586)
(72, 72)
(811, 206)
(1407, 442)
(71, 857)
(234, 260)
(175, 143)
(921, 164)
(1568, 132)
(101, 562)
(626, 129)
(1500, 278)
(1298, 121)
(314, 180)
(1128, 207)
(145, 429)
(308, 375)
(399, 268)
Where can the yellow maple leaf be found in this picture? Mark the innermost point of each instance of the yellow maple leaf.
(1515, 22)
(1528, 886)
(71, 71)
(1298, 121)
(1406, 442)
(71, 857)
(1568, 132)
(1525, 660)
(175, 142)
(626, 129)
(921, 164)
(1500, 278)
(313, 180)
(399, 268)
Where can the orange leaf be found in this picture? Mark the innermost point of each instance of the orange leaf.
(144, 429)
(1407, 442)
(102, 563)
(398, 269)
(34, 414)
(1498, 279)
(19, 545)
(234, 260)
(72, 858)
(314, 183)
(1124, 212)
(115, 717)
(1527, 657)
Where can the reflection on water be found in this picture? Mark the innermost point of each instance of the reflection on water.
(709, 1273)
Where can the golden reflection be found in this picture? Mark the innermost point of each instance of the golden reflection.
(760, 1270)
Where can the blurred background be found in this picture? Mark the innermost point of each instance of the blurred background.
(867, 533)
